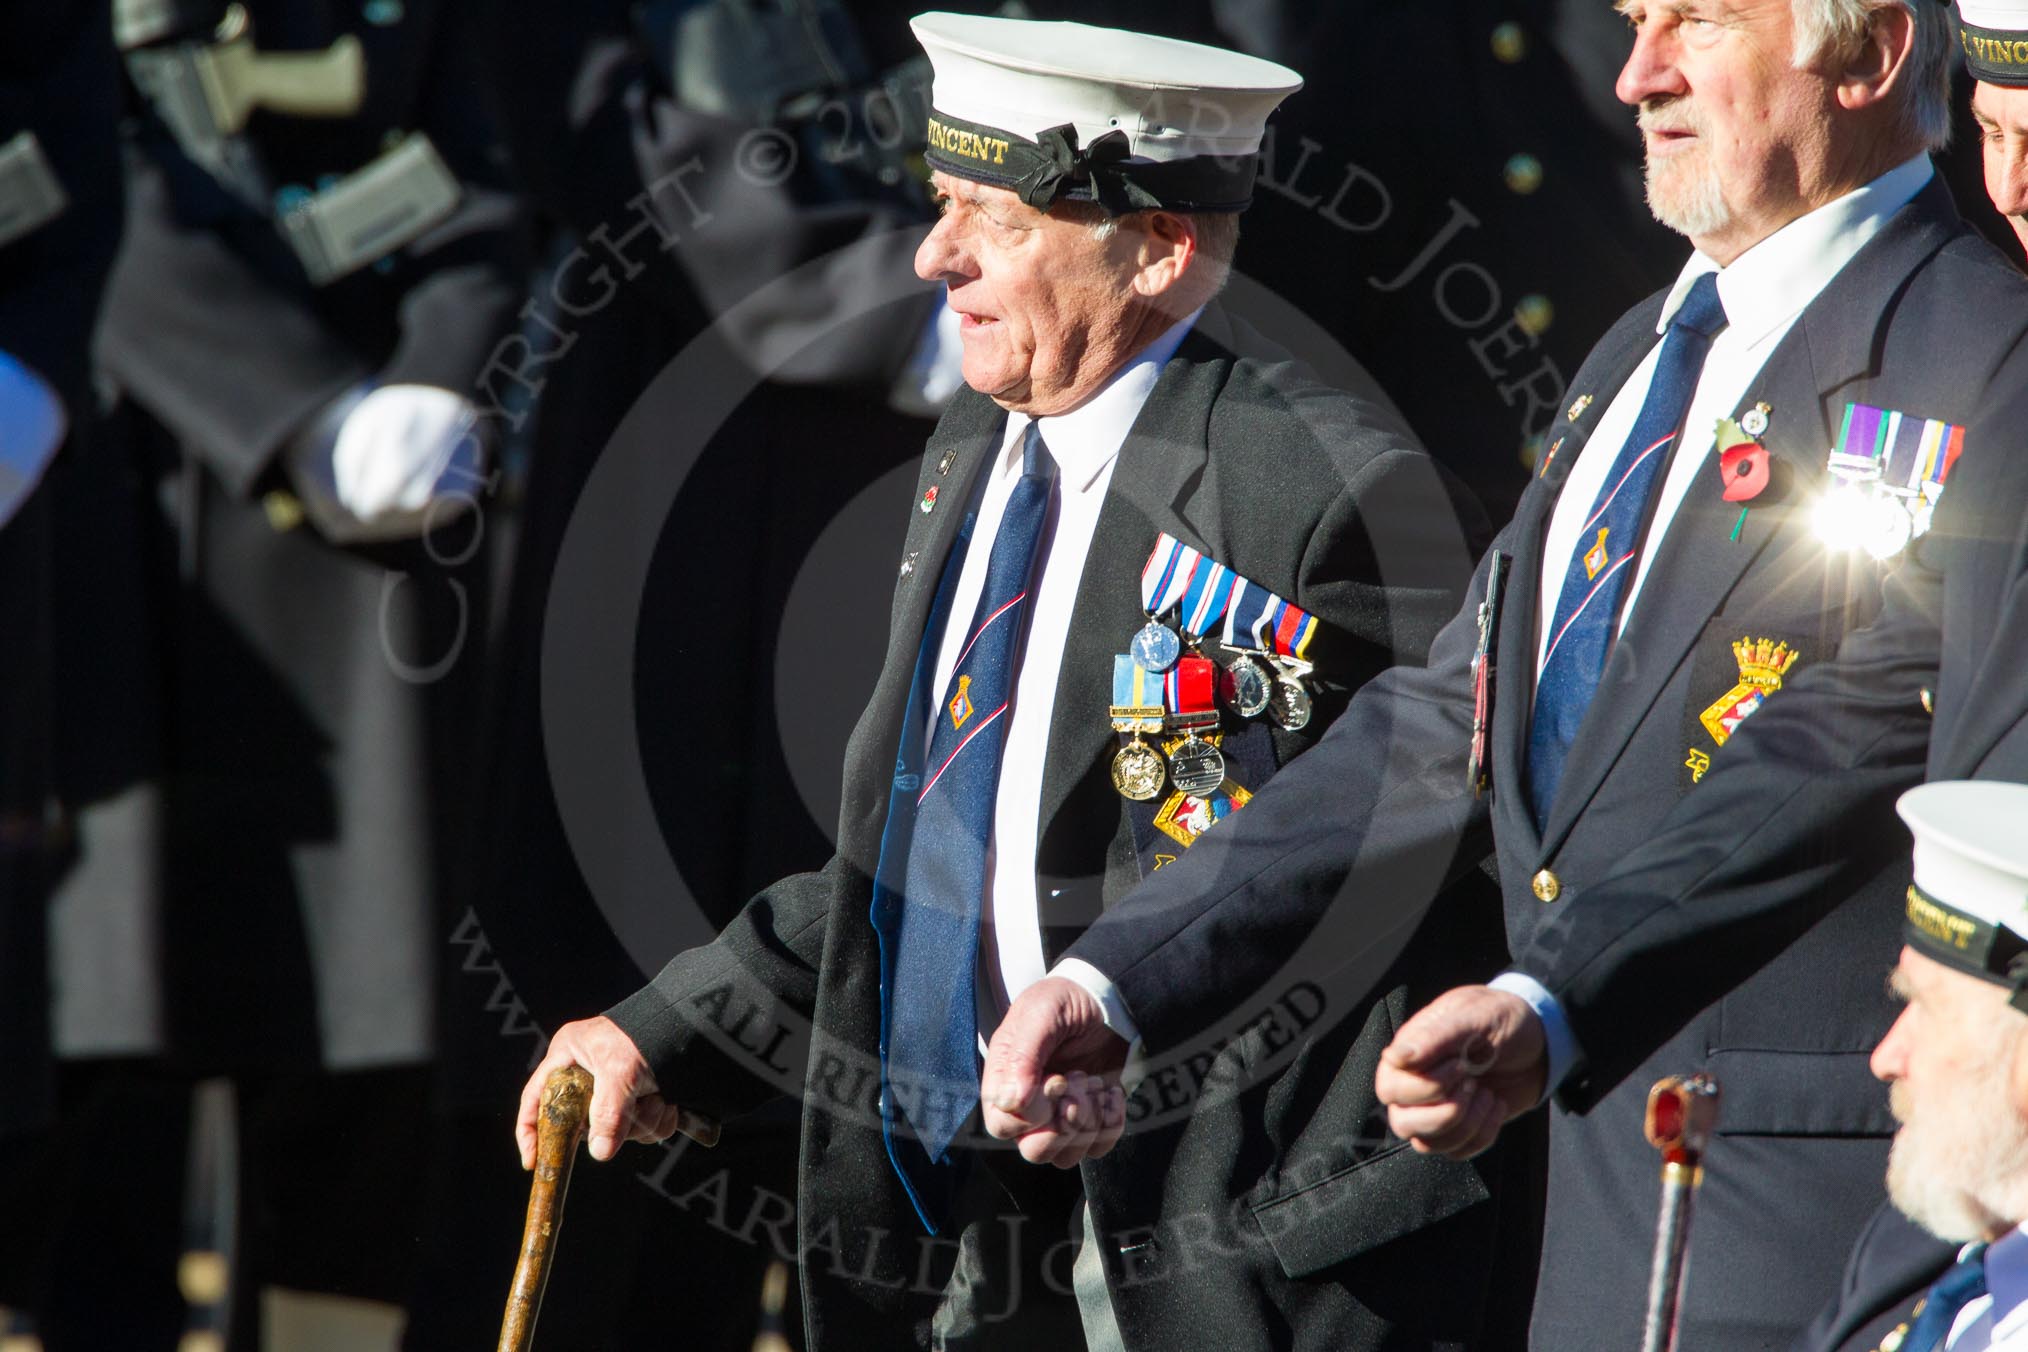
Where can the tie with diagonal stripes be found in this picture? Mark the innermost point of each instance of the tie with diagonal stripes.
(1963, 1283)
(930, 1059)
(1603, 564)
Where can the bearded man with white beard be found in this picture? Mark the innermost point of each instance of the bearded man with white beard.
(1957, 1061)
(1665, 577)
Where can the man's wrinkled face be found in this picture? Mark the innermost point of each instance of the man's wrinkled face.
(1044, 306)
(1953, 1059)
(1734, 133)
(2002, 115)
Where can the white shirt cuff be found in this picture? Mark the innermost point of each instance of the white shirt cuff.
(1111, 1005)
(1564, 1052)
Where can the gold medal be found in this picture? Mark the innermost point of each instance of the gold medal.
(1138, 771)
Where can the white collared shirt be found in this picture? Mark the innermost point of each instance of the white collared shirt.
(1998, 1320)
(1763, 292)
(1085, 443)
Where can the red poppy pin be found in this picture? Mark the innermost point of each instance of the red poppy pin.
(1743, 467)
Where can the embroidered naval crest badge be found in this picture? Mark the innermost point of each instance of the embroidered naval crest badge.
(1186, 816)
(1762, 664)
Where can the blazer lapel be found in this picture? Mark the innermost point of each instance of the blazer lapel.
(957, 456)
(1159, 464)
(1596, 384)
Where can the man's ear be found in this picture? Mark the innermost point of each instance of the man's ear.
(1874, 71)
(1166, 250)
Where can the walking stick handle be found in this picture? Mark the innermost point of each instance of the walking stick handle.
(560, 1128)
(1682, 1114)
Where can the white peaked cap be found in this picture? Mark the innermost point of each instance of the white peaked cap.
(1994, 36)
(1969, 906)
(1189, 117)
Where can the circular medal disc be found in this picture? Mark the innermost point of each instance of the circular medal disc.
(1246, 688)
(1197, 767)
(1156, 646)
(1291, 706)
(1138, 771)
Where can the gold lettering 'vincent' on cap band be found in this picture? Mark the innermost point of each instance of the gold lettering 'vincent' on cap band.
(1995, 55)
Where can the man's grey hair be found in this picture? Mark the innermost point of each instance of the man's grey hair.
(1839, 28)
(1217, 238)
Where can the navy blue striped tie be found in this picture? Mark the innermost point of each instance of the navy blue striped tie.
(1603, 564)
(930, 1060)
(1963, 1283)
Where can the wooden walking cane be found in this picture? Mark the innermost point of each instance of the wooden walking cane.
(560, 1128)
(1681, 1116)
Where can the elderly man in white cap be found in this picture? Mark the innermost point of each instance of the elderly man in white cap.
(1994, 37)
(1957, 1060)
(1140, 573)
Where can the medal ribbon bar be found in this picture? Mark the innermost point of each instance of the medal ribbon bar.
(1167, 574)
(1138, 704)
(1204, 601)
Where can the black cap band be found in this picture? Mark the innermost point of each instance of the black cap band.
(1995, 55)
(1052, 168)
(1939, 930)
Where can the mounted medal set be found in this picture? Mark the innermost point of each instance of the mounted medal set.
(1165, 685)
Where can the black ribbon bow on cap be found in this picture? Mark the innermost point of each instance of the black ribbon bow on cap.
(1102, 164)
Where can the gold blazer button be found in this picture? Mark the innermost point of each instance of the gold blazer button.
(1547, 888)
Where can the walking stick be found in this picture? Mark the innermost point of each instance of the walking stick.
(1681, 1115)
(560, 1127)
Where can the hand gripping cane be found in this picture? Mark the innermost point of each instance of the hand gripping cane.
(560, 1127)
(1681, 1115)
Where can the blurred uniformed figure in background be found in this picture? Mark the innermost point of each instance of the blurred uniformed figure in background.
(59, 227)
(320, 254)
(683, 158)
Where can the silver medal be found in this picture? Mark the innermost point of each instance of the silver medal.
(1196, 767)
(1290, 705)
(1156, 646)
(1245, 688)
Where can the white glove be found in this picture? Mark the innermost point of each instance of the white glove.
(400, 447)
(32, 426)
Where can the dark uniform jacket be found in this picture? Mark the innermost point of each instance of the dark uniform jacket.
(1893, 1264)
(1309, 493)
(1380, 814)
(312, 693)
(59, 79)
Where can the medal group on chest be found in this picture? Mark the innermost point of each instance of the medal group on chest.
(1167, 686)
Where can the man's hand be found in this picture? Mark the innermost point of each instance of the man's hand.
(1461, 1069)
(626, 1104)
(1052, 1076)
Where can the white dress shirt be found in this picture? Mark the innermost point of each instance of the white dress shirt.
(1998, 1320)
(1764, 290)
(1085, 443)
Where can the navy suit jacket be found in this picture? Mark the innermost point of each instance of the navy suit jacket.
(1336, 860)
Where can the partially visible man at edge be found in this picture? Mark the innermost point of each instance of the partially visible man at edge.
(1994, 36)
(1957, 1062)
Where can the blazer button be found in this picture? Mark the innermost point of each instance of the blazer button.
(1547, 888)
